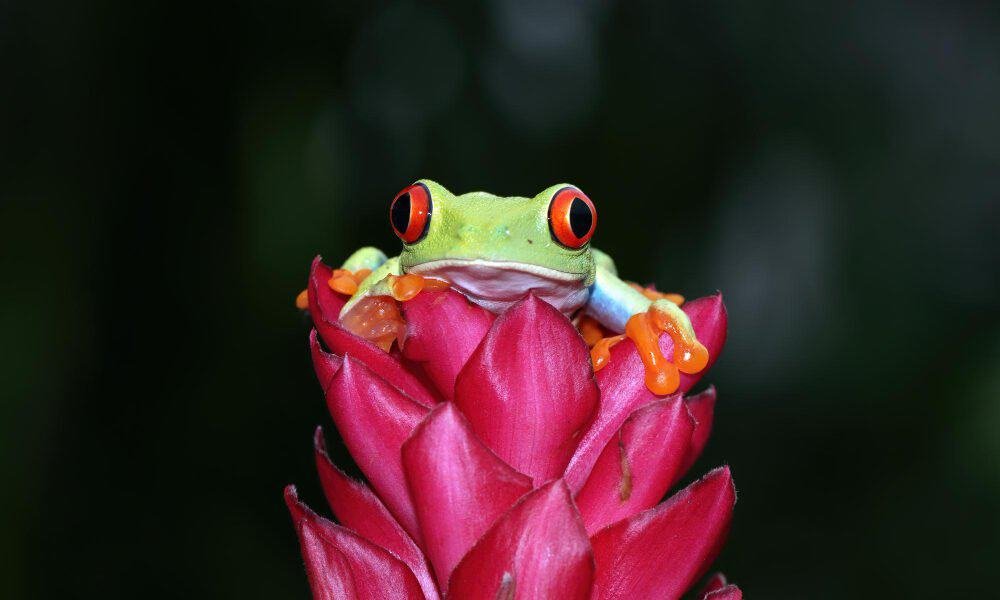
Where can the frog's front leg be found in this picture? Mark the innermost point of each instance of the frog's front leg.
(387, 279)
(372, 312)
(368, 257)
(376, 283)
(621, 308)
(349, 276)
(356, 269)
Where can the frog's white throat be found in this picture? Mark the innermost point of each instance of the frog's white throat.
(496, 285)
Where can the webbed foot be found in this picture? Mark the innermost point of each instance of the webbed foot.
(346, 281)
(406, 287)
(342, 281)
(689, 356)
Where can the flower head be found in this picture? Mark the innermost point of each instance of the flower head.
(500, 466)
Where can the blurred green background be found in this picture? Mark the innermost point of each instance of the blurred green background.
(170, 168)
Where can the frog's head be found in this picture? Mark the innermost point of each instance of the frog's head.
(495, 249)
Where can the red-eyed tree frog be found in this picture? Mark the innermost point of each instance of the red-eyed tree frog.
(494, 250)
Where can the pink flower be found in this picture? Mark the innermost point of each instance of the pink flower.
(500, 466)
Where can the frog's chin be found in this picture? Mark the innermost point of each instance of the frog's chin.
(496, 285)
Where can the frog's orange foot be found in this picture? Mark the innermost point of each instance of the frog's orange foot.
(378, 320)
(689, 356)
(345, 281)
(600, 351)
(302, 300)
(406, 287)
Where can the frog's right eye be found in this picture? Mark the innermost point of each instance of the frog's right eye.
(572, 218)
(410, 213)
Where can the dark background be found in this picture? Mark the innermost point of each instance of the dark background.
(170, 168)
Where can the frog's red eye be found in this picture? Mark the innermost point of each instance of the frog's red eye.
(572, 217)
(410, 213)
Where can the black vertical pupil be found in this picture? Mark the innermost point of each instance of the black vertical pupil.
(399, 214)
(580, 218)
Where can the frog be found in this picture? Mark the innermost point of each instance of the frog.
(495, 250)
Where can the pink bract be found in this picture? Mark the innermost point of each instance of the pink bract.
(499, 466)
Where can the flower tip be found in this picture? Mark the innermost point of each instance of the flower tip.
(325, 363)
(716, 581)
(702, 409)
(722, 471)
(720, 479)
(559, 489)
(530, 303)
(444, 410)
(554, 495)
(713, 304)
(728, 592)
(532, 307)
(441, 421)
(317, 261)
(319, 442)
(293, 503)
(442, 418)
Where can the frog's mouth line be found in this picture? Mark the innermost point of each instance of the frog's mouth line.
(448, 264)
(497, 284)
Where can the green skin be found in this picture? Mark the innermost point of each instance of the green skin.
(495, 250)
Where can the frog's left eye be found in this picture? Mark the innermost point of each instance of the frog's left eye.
(572, 217)
(410, 213)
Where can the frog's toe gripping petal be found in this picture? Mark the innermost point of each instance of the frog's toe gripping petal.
(690, 355)
(376, 284)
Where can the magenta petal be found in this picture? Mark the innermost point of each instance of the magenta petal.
(660, 553)
(375, 418)
(638, 465)
(623, 387)
(458, 486)
(357, 508)
(341, 564)
(528, 390)
(325, 364)
(324, 303)
(341, 342)
(729, 592)
(702, 408)
(442, 331)
(538, 549)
